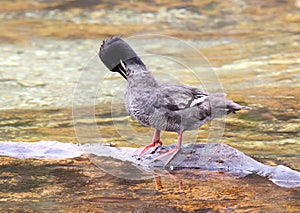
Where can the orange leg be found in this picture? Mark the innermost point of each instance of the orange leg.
(172, 152)
(156, 142)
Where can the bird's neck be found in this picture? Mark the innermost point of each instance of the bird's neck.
(142, 79)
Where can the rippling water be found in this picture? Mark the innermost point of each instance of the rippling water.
(248, 49)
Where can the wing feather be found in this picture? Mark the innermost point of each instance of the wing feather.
(178, 96)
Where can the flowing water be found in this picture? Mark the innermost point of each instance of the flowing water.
(53, 87)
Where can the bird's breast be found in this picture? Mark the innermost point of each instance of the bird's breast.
(139, 103)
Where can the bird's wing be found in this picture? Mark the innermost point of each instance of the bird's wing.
(178, 96)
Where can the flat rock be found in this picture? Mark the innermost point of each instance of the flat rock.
(122, 162)
(200, 156)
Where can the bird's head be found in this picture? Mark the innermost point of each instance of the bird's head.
(118, 56)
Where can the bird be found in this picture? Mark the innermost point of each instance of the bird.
(163, 106)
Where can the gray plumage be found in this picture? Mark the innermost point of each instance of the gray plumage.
(163, 106)
(171, 107)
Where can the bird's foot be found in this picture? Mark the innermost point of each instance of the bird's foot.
(167, 155)
(154, 145)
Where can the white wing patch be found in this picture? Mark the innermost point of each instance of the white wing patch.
(198, 100)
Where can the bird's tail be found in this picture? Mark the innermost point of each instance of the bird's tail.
(232, 107)
(220, 105)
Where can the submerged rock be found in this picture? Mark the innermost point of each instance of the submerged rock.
(200, 156)
(121, 162)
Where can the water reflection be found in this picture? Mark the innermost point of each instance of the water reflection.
(77, 185)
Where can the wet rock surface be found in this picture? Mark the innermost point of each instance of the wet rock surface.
(113, 178)
(202, 156)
